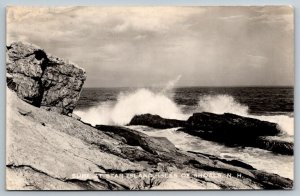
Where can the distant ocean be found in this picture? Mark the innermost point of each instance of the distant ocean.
(116, 106)
(259, 100)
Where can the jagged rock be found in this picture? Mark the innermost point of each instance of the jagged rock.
(156, 121)
(43, 80)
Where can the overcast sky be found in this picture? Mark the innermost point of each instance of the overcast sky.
(146, 46)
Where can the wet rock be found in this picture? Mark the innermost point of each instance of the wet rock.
(43, 80)
(232, 126)
(156, 121)
(275, 145)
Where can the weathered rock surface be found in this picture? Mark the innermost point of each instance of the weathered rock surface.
(229, 129)
(43, 80)
(154, 145)
(50, 151)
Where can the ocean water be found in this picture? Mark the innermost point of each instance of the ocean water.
(116, 106)
(258, 100)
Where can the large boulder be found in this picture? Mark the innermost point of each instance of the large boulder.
(42, 79)
(231, 127)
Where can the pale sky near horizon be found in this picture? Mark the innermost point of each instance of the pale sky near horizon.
(149, 46)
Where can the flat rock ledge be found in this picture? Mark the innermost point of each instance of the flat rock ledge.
(43, 80)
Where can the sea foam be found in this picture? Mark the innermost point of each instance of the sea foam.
(140, 101)
(221, 104)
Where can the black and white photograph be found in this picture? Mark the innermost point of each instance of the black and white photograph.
(150, 97)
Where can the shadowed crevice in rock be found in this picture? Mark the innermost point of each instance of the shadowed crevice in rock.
(116, 171)
(12, 166)
(42, 56)
(92, 185)
(100, 184)
(112, 185)
(231, 162)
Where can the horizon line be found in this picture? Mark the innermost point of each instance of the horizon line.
(234, 86)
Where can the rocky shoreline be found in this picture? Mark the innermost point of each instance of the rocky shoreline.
(51, 151)
(48, 148)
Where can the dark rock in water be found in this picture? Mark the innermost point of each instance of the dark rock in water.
(43, 80)
(229, 129)
(221, 124)
(156, 121)
(232, 126)
(274, 145)
(232, 129)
